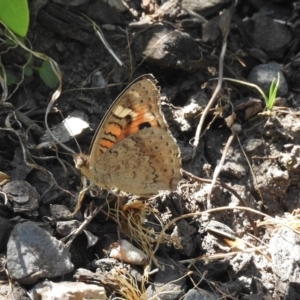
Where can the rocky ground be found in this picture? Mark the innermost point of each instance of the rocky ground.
(231, 229)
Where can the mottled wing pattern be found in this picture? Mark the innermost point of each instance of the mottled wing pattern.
(142, 164)
(137, 107)
(132, 149)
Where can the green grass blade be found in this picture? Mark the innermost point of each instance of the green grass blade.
(273, 92)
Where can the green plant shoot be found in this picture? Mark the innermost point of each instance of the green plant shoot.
(273, 92)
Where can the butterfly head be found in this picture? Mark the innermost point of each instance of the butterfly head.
(81, 162)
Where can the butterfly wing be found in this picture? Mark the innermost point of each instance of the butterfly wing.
(137, 107)
(120, 148)
(142, 164)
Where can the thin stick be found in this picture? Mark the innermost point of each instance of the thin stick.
(219, 168)
(87, 221)
(214, 96)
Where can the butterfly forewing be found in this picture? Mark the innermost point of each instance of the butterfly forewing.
(137, 107)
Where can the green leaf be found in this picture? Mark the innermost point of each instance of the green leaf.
(28, 71)
(48, 75)
(15, 14)
(11, 78)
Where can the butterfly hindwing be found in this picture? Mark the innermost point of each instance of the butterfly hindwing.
(142, 164)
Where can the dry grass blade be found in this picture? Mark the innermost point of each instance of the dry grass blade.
(219, 168)
(3, 83)
(4, 178)
(291, 221)
(103, 40)
(128, 286)
(131, 219)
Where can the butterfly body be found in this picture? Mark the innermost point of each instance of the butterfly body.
(132, 149)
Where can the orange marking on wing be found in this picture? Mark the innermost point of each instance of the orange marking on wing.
(106, 143)
(134, 126)
(113, 129)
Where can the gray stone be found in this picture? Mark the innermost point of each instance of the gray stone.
(32, 253)
(263, 75)
(199, 294)
(269, 35)
(24, 197)
(168, 283)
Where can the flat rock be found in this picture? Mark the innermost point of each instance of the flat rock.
(168, 282)
(24, 197)
(268, 35)
(204, 7)
(67, 290)
(169, 48)
(32, 253)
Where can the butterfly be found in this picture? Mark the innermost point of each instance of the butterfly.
(132, 149)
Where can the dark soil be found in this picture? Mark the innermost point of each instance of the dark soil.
(238, 235)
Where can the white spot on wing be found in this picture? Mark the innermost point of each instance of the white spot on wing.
(122, 112)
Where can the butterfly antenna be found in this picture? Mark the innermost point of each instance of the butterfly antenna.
(78, 146)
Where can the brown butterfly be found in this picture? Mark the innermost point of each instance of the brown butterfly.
(132, 149)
